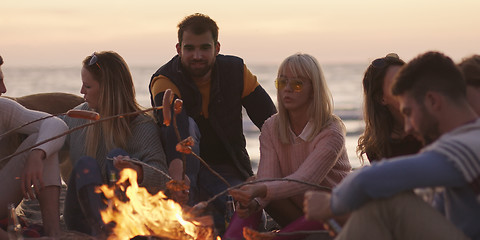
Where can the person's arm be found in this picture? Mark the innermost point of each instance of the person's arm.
(145, 144)
(329, 147)
(17, 115)
(268, 168)
(256, 100)
(389, 177)
(46, 129)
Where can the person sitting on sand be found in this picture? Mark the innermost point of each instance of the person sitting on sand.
(108, 89)
(384, 135)
(214, 89)
(34, 173)
(304, 141)
(432, 96)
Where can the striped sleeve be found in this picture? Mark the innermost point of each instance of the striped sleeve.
(464, 158)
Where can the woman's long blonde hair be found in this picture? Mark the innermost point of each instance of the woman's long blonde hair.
(321, 108)
(117, 95)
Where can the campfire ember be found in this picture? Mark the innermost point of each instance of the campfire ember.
(144, 214)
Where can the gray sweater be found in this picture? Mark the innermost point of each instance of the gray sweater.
(144, 144)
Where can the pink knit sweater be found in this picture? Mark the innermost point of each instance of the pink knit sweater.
(322, 161)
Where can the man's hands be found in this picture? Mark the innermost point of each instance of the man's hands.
(175, 170)
(316, 206)
(32, 176)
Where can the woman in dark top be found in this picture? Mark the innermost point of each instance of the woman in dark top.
(384, 136)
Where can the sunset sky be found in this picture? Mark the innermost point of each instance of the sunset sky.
(62, 33)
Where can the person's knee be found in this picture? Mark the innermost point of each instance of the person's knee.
(87, 171)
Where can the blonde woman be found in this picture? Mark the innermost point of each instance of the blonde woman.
(108, 89)
(304, 141)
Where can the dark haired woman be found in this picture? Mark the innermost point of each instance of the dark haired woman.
(384, 136)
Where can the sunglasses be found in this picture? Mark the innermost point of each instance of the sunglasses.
(295, 84)
(94, 60)
(380, 62)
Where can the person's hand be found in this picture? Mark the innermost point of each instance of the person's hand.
(316, 206)
(121, 162)
(245, 194)
(243, 211)
(175, 170)
(32, 174)
(180, 195)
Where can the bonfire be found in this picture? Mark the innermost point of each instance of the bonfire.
(133, 211)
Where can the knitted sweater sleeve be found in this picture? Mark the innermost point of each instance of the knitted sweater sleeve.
(146, 146)
(15, 115)
(328, 149)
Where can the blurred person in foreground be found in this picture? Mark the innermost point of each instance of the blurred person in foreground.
(34, 173)
(432, 96)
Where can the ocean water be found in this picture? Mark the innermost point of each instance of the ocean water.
(344, 81)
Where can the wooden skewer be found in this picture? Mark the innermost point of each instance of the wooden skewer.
(211, 170)
(28, 123)
(306, 232)
(268, 180)
(177, 109)
(80, 127)
(137, 161)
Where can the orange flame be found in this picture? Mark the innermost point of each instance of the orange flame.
(146, 214)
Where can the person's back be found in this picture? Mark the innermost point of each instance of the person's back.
(459, 202)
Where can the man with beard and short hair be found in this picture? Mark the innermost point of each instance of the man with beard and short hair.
(213, 88)
(432, 96)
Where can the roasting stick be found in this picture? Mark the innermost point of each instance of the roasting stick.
(334, 226)
(268, 180)
(134, 160)
(85, 115)
(28, 123)
(185, 147)
(304, 232)
(177, 108)
(71, 113)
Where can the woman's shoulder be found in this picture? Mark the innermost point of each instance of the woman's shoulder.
(336, 124)
(270, 123)
(334, 127)
(7, 103)
(144, 121)
(82, 106)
